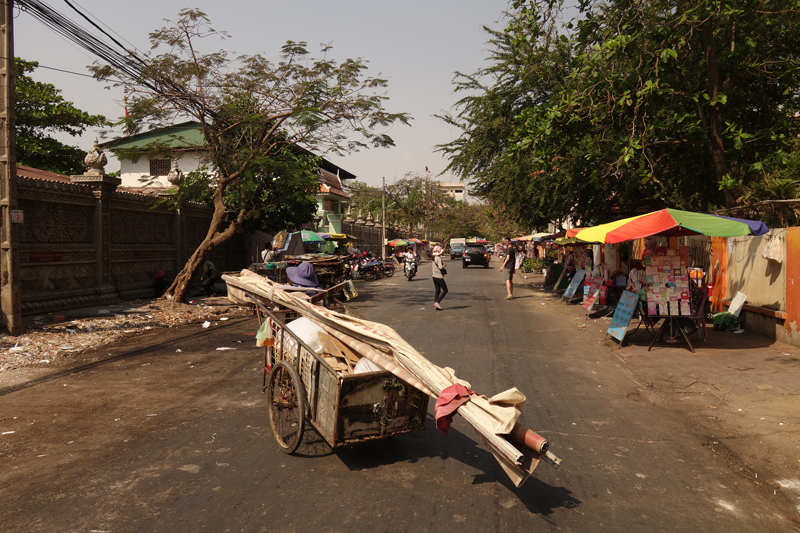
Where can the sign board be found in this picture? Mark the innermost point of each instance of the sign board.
(594, 291)
(622, 315)
(17, 217)
(573, 285)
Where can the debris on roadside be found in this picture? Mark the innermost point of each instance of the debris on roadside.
(53, 338)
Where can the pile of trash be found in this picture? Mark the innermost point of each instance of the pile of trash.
(53, 338)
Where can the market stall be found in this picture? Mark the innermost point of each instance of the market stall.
(661, 276)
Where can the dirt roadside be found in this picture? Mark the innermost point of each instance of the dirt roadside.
(741, 391)
(55, 340)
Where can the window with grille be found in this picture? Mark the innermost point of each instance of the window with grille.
(160, 167)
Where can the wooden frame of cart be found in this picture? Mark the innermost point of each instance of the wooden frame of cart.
(301, 386)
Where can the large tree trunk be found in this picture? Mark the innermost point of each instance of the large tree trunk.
(716, 145)
(213, 239)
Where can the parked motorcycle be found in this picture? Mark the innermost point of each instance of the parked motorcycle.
(368, 270)
(389, 267)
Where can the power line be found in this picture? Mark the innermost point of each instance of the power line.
(38, 65)
(133, 46)
(126, 62)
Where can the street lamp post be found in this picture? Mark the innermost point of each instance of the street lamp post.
(383, 220)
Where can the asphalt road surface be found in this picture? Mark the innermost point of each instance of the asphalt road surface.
(145, 438)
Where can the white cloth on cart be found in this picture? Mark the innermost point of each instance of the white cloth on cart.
(307, 331)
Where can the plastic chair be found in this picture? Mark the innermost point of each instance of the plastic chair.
(700, 317)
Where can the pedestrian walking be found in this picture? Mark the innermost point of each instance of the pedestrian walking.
(438, 274)
(508, 268)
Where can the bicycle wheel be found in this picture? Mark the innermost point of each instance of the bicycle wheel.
(287, 411)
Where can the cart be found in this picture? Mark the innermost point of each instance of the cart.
(301, 387)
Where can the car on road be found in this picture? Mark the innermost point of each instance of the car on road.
(475, 254)
(456, 251)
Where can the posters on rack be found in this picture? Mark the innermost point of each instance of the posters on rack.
(594, 291)
(573, 285)
(622, 315)
(668, 281)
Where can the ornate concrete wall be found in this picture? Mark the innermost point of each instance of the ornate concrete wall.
(84, 246)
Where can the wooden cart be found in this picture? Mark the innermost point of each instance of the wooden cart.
(344, 409)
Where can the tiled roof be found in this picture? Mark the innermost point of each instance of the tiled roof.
(28, 172)
(331, 184)
(144, 191)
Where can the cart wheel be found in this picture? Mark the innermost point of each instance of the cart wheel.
(287, 411)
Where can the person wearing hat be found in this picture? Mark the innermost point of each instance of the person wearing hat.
(303, 275)
(438, 277)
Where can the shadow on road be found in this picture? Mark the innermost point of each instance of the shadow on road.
(537, 496)
(312, 445)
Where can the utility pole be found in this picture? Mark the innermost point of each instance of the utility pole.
(383, 220)
(10, 307)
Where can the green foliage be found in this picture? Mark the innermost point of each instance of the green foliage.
(277, 197)
(41, 111)
(530, 264)
(630, 107)
(365, 199)
(419, 204)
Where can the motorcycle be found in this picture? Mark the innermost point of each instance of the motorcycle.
(409, 270)
(368, 270)
(389, 267)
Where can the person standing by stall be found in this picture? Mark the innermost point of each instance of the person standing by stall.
(437, 274)
(508, 268)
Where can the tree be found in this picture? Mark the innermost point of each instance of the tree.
(417, 202)
(365, 199)
(526, 70)
(40, 111)
(251, 112)
(660, 103)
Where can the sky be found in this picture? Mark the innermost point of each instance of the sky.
(416, 44)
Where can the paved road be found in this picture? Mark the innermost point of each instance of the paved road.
(143, 438)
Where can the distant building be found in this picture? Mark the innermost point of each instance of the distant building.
(456, 191)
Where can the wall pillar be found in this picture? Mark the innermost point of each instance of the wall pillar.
(792, 264)
(719, 273)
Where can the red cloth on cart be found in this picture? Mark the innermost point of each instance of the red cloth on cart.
(448, 403)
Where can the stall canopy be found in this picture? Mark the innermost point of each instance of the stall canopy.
(309, 236)
(398, 242)
(757, 227)
(667, 223)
